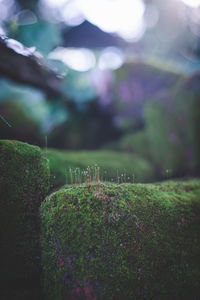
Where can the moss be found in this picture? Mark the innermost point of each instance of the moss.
(127, 241)
(24, 181)
(111, 163)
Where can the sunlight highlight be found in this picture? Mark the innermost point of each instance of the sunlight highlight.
(111, 58)
(121, 16)
(77, 59)
(124, 17)
(55, 4)
(192, 3)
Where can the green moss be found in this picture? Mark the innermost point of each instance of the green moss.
(111, 163)
(147, 67)
(24, 181)
(127, 241)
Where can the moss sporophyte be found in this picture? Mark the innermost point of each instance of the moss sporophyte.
(94, 175)
(112, 165)
(90, 176)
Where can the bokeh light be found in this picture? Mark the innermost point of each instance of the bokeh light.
(192, 3)
(55, 4)
(111, 58)
(6, 9)
(78, 59)
(61, 11)
(124, 17)
(121, 16)
(71, 14)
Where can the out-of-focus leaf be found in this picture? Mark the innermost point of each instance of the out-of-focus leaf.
(77, 85)
(44, 36)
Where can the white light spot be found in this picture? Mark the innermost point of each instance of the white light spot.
(6, 9)
(78, 59)
(111, 58)
(61, 11)
(55, 4)
(72, 15)
(124, 17)
(192, 3)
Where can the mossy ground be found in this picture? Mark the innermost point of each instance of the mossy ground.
(112, 165)
(24, 182)
(122, 241)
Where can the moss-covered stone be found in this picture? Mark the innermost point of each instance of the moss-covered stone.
(24, 181)
(127, 241)
(112, 165)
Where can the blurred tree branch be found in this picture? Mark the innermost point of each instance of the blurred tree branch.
(18, 63)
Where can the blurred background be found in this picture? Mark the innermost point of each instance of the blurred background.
(106, 75)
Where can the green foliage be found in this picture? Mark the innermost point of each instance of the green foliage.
(20, 125)
(112, 164)
(151, 69)
(167, 154)
(77, 85)
(31, 106)
(132, 142)
(24, 181)
(188, 116)
(136, 83)
(127, 241)
(87, 128)
(172, 128)
(34, 35)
